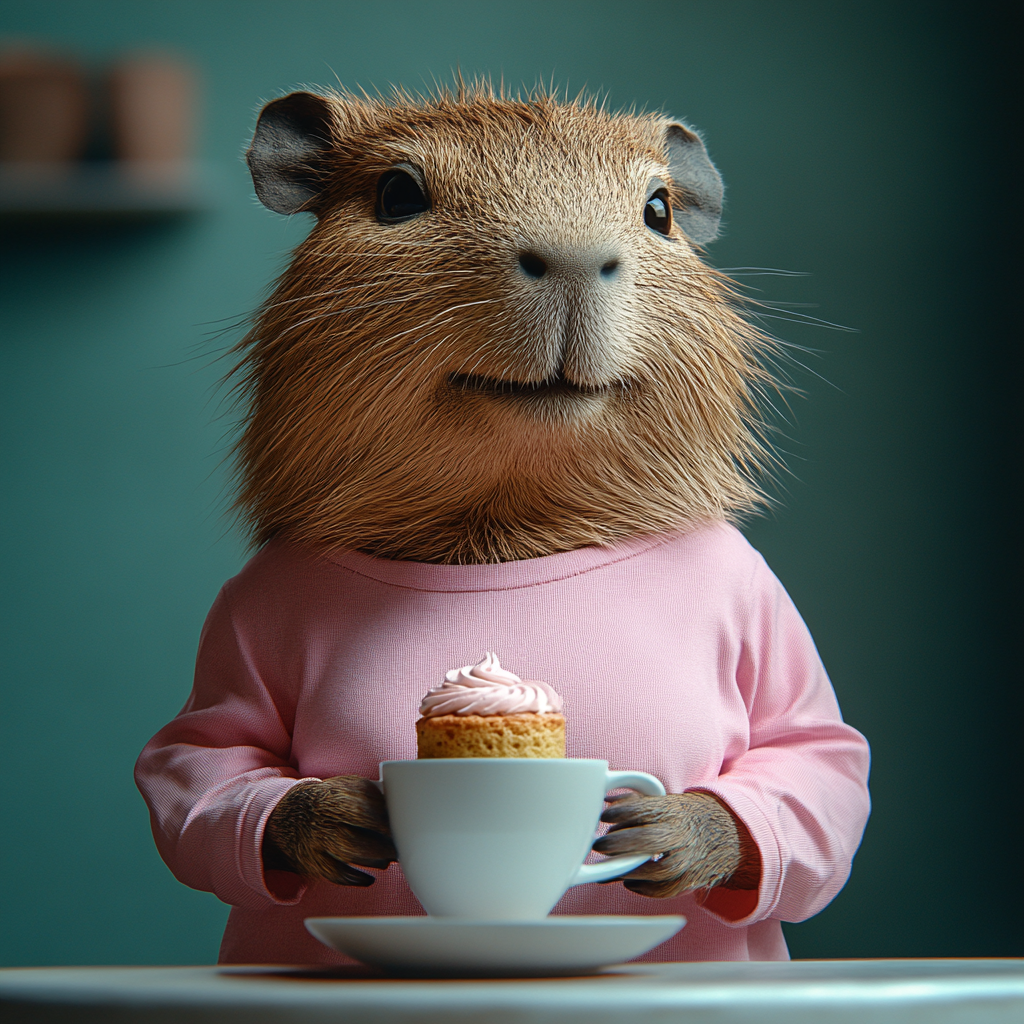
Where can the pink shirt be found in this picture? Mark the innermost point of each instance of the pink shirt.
(678, 655)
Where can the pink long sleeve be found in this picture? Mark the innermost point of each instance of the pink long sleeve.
(800, 786)
(214, 774)
(681, 656)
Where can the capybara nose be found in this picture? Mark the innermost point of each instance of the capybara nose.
(585, 265)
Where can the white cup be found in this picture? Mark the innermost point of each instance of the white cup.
(501, 839)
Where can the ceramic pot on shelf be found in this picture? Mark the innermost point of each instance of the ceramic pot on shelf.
(44, 110)
(152, 99)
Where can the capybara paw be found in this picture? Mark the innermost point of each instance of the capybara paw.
(698, 841)
(321, 829)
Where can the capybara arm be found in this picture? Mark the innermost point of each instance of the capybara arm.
(700, 842)
(320, 829)
(782, 819)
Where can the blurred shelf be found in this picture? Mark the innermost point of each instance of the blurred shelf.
(103, 191)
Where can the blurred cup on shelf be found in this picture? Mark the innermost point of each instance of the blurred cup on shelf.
(44, 108)
(152, 100)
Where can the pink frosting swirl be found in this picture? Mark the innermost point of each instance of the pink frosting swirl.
(488, 689)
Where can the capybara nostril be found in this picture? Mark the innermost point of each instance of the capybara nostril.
(532, 265)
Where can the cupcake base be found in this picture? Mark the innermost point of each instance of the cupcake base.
(523, 735)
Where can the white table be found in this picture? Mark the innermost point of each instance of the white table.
(802, 992)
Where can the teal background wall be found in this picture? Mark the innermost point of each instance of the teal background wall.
(865, 145)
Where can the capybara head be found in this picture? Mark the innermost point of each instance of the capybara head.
(499, 339)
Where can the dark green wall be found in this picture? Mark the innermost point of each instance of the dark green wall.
(861, 145)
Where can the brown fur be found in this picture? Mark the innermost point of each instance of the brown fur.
(700, 842)
(356, 436)
(319, 829)
(366, 427)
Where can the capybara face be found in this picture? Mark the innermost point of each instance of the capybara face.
(499, 340)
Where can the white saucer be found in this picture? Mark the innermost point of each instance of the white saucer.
(446, 945)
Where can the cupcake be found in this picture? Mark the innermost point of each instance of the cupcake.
(486, 711)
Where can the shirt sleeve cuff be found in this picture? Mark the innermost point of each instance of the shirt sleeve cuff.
(738, 908)
(283, 888)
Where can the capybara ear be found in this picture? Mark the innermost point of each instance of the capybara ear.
(287, 155)
(697, 186)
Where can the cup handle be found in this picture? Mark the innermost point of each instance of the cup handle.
(606, 870)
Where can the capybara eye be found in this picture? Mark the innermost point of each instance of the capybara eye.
(399, 196)
(658, 212)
